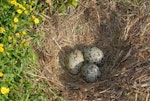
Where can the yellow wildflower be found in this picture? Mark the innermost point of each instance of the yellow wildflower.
(1, 45)
(26, 12)
(17, 35)
(2, 30)
(33, 17)
(4, 90)
(21, 6)
(24, 33)
(24, 2)
(17, 4)
(32, 3)
(16, 19)
(19, 11)
(36, 20)
(1, 49)
(1, 74)
(13, 2)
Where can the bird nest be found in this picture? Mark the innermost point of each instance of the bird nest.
(121, 29)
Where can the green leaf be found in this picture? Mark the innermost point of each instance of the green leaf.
(73, 3)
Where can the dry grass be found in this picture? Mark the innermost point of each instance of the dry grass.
(121, 29)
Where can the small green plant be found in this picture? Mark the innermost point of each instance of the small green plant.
(17, 17)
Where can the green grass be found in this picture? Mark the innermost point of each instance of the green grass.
(17, 58)
(18, 62)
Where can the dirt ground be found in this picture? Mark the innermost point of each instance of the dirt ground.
(121, 29)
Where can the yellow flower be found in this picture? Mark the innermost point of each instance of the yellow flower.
(24, 2)
(36, 20)
(19, 11)
(26, 12)
(33, 17)
(1, 49)
(24, 33)
(13, 2)
(1, 45)
(32, 3)
(4, 90)
(1, 74)
(17, 35)
(16, 19)
(2, 30)
(20, 6)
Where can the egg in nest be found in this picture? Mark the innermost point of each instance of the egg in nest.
(74, 61)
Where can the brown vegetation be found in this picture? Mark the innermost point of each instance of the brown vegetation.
(121, 29)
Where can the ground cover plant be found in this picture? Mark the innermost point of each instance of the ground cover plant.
(17, 58)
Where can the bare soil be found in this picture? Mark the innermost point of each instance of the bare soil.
(121, 29)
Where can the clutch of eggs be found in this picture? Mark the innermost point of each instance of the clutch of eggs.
(85, 62)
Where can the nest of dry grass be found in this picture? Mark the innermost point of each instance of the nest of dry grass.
(121, 29)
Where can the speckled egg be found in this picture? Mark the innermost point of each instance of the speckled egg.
(75, 61)
(90, 72)
(93, 55)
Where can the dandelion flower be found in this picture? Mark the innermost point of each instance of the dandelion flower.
(21, 6)
(2, 30)
(33, 17)
(19, 11)
(24, 33)
(26, 12)
(1, 74)
(36, 20)
(1, 49)
(13, 2)
(1, 45)
(16, 19)
(4, 90)
(32, 2)
(24, 2)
